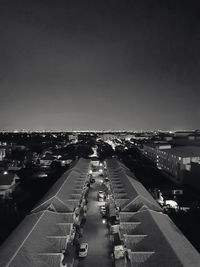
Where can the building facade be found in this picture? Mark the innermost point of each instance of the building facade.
(174, 161)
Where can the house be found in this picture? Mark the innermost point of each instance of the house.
(7, 183)
(47, 160)
(65, 160)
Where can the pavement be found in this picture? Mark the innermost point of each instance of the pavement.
(95, 233)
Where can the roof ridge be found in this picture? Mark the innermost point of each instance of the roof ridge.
(62, 185)
(41, 204)
(25, 239)
(130, 202)
(149, 201)
(61, 201)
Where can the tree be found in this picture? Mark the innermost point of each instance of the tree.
(55, 165)
(17, 154)
(105, 151)
(84, 151)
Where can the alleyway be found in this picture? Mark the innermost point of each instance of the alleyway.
(95, 233)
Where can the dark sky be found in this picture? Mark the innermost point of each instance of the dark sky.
(99, 64)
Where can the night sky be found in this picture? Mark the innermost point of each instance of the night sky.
(99, 64)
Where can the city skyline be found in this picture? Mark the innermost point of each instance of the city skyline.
(82, 65)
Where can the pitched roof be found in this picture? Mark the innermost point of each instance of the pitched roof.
(151, 237)
(129, 193)
(155, 232)
(33, 243)
(63, 195)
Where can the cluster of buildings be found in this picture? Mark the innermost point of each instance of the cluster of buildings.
(141, 234)
(9, 165)
(46, 236)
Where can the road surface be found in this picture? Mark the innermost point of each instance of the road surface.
(95, 233)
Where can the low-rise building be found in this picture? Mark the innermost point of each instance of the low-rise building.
(7, 183)
(38, 241)
(47, 160)
(46, 236)
(65, 160)
(145, 236)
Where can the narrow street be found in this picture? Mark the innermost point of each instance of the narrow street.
(95, 233)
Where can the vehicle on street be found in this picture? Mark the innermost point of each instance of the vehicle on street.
(83, 250)
(104, 219)
(101, 196)
(106, 180)
(103, 210)
(92, 180)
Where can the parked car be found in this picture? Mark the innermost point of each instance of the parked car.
(101, 196)
(103, 210)
(92, 180)
(104, 218)
(83, 250)
(106, 180)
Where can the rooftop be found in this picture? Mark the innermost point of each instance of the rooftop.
(34, 244)
(64, 195)
(149, 231)
(128, 192)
